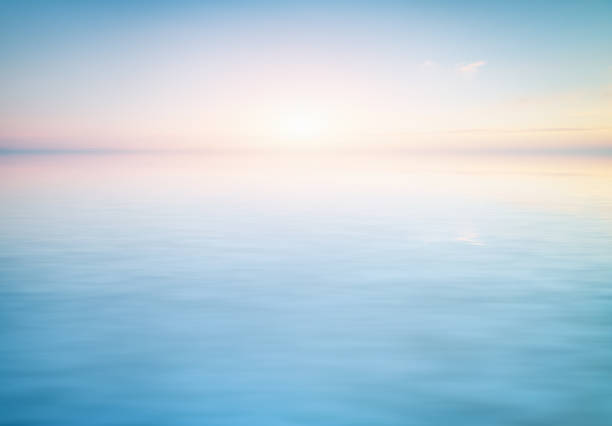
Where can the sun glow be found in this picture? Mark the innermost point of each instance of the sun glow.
(302, 126)
(292, 126)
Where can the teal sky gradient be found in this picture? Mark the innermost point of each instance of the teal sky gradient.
(187, 74)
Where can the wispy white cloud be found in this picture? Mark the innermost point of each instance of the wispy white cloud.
(428, 64)
(472, 67)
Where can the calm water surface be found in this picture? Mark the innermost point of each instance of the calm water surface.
(177, 290)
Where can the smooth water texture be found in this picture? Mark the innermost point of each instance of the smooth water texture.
(195, 290)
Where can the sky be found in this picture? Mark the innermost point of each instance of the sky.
(238, 75)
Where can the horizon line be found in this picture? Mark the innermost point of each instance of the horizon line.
(592, 150)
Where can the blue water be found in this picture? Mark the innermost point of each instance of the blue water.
(199, 291)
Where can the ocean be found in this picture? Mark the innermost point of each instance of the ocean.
(254, 290)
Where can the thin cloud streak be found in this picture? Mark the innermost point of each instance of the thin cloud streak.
(471, 68)
(528, 130)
